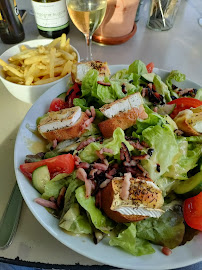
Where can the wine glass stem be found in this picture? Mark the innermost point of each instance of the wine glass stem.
(88, 47)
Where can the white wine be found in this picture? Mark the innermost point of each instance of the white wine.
(51, 17)
(87, 15)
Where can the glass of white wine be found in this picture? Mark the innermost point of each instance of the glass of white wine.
(87, 15)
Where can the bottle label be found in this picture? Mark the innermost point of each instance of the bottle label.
(51, 16)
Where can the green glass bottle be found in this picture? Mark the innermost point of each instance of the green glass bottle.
(51, 17)
(11, 29)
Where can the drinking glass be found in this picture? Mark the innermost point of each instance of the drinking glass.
(87, 15)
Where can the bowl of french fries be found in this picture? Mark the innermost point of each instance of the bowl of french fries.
(30, 68)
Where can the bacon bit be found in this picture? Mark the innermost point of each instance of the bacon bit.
(55, 142)
(166, 251)
(155, 109)
(106, 150)
(136, 145)
(142, 169)
(85, 143)
(124, 194)
(92, 173)
(81, 174)
(124, 153)
(77, 160)
(144, 92)
(108, 176)
(60, 199)
(101, 156)
(105, 183)
(100, 166)
(140, 157)
(83, 165)
(106, 162)
(87, 123)
(88, 112)
(89, 186)
(104, 83)
(46, 203)
(93, 113)
(143, 143)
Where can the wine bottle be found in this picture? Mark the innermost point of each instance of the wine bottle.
(51, 17)
(11, 29)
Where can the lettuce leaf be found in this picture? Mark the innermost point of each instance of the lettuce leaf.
(168, 230)
(74, 221)
(162, 140)
(128, 241)
(174, 75)
(185, 160)
(100, 221)
(199, 94)
(52, 188)
(162, 88)
(137, 67)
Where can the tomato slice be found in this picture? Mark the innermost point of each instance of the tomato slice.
(57, 104)
(192, 211)
(183, 104)
(72, 93)
(150, 67)
(59, 164)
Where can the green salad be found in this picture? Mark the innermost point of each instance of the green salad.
(72, 174)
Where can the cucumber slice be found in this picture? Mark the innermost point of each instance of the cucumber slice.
(190, 187)
(59, 177)
(62, 96)
(40, 177)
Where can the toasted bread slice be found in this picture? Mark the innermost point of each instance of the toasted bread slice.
(190, 121)
(65, 133)
(79, 70)
(145, 200)
(123, 120)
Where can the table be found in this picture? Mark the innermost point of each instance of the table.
(179, 48)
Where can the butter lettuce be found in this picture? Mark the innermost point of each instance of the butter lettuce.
(162, 88)
(128, 241)
(114, 143)
(137, 67)
(100, 221)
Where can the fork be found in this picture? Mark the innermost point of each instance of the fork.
(10, 219)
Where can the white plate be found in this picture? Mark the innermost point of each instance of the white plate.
(103, 253)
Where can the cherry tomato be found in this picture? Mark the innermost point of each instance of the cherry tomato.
(57, 104)
(192, 211)
(183, 104)
(72, 93)
(150, 67)
(59, 164)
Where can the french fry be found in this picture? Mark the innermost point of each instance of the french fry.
(52, 61)
(67, 68)
(23, 48)
(43, 81)
(63, 41)
(13, 70)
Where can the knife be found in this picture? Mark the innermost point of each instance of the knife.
(10, 219)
